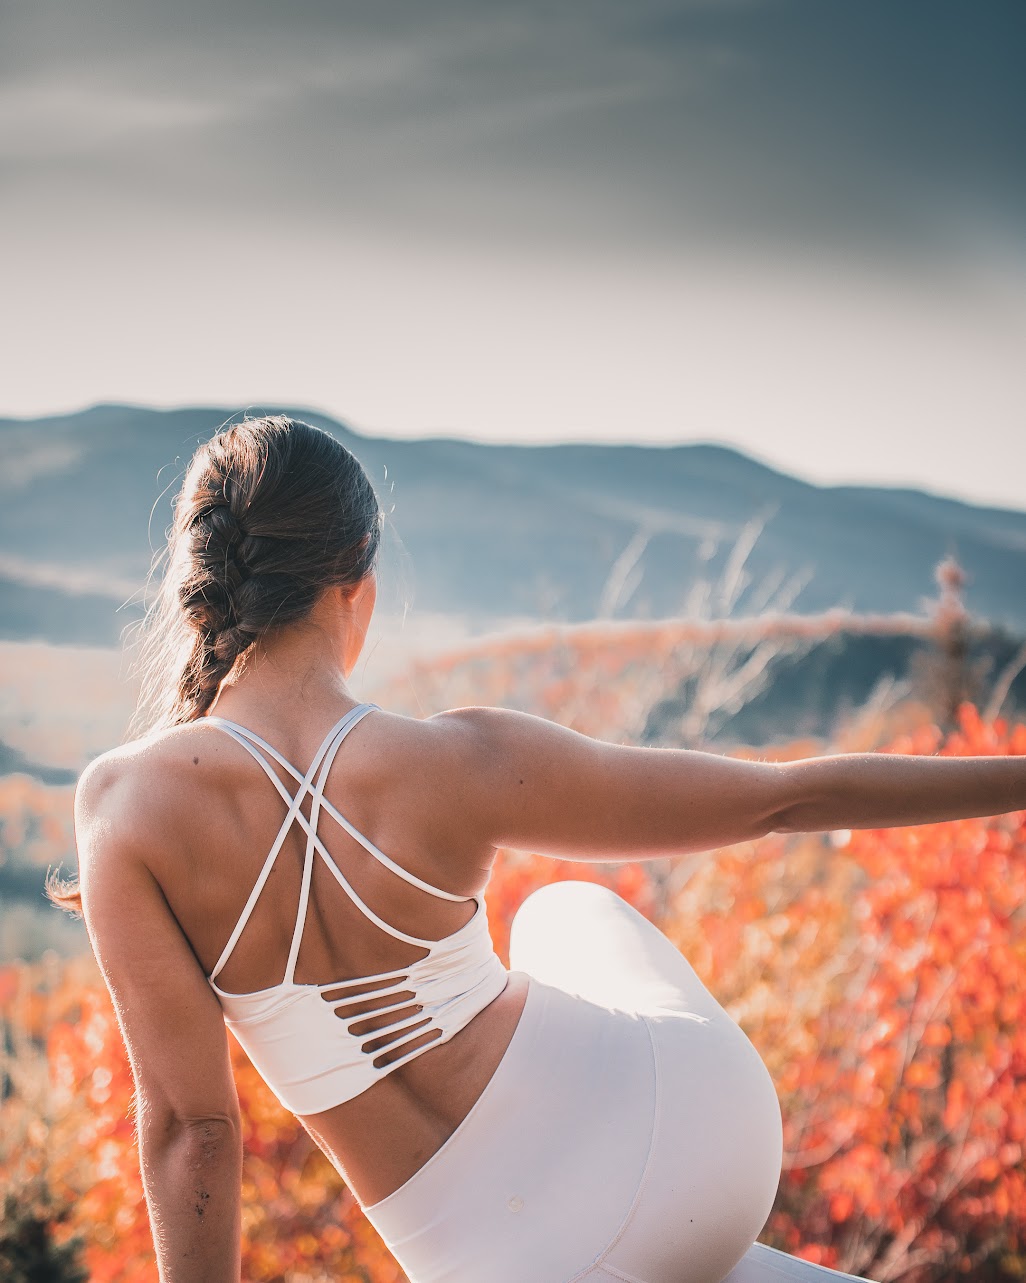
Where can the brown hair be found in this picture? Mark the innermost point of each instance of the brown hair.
(271, 513)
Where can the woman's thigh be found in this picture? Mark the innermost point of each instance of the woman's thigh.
(714, 1161)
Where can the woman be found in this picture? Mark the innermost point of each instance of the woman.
(590, 1114)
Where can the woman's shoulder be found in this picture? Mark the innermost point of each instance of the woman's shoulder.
(126, 792)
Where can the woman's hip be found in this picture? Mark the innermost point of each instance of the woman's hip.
(632, 1123)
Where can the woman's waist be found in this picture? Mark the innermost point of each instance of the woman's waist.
(381, 1138)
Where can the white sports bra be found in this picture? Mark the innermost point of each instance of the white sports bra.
(309, 1056)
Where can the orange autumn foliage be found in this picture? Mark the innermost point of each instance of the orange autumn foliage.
(908, 1132)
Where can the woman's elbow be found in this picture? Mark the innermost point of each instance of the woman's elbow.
(207, 1134)
(792, 800)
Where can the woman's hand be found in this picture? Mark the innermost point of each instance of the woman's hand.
(186, 1104)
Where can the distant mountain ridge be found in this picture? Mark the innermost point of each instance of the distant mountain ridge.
(491, 532)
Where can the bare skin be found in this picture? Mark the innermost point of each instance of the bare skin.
(173, 829)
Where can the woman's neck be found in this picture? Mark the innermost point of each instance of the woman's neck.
(299, 668)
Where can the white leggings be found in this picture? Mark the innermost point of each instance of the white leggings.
(629, 1133)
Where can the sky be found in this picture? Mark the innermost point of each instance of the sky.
(797, 227)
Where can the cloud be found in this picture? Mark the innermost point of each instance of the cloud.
(69, 579)
(789, 120)
(41, 119)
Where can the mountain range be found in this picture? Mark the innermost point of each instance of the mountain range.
(497, 532)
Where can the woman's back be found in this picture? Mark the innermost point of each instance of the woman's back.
(387, 779)
(211, 814)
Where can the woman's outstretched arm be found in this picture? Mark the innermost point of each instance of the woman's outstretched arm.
(524, 782)
(187, 1107)
(888, 790)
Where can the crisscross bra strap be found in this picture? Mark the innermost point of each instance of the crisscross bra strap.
(312, 784)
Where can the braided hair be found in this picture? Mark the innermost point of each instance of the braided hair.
(271, 513)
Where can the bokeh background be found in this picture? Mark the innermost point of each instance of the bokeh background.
(683, 342)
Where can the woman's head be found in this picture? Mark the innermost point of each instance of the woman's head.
(271, 514)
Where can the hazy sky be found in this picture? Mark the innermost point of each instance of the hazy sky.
(796, 226)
